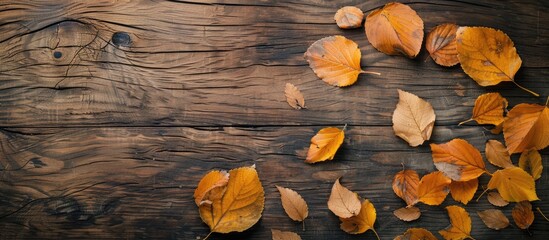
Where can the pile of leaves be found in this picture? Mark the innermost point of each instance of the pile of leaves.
(234, 200)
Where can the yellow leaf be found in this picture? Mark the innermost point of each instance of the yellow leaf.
(460, 227)
(526, 127)
(293, 204)
(362, 222)
(294, 97)
(324, 144)
(441, 44)
(530, 161)
(495, 199)
(514, 184)
(349, 17)
(335, 60)
(458, 159)
(523, 214)
(240, 206)
(433, 188)
(416, 234)
(280, 235)
(395, 29)
(405, 185)
(464, 191)
(407, 213)
(497, 154)
(494, 219)
(489, 109)
(413, 119)
(343, 202)
(212, 186)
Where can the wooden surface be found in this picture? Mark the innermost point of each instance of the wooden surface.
(112, 111)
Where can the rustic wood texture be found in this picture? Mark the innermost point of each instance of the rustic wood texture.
(112, 111)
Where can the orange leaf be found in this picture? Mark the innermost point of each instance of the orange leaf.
(433, 188)
(362, 222)
(395, 29)
(349, 17)
(294, 97)
(523, 214)
(441, 44)
(416, 234)
(514, 184)
(497, 154)
(489, 109)
(239, 207)
(405, 185)
(526, 126)
(413, 118)
(280, 235)
(293, 204)
(212, 186)
(530, 161)
(343, 202)
(324, 145)
(407, 213)
(458, 159)
(494, 219)
(460, 227)
(464, 191)
(495, 199)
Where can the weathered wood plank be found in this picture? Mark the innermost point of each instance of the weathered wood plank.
(226, 62)
(138, 182)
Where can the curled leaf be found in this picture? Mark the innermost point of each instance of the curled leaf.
(294, 97)
(294, 205)
(324, 145)
(494, 219)
(530, 161)
(514, 184)
(433, 188)
(405, 185)
(458, 159)
(280, 235)
(489, 109)
(349, 17)
(497, 154)
(464, 191)
(460, 224)
(441, 44)
(523, 214)
(211, 186)
(526, 127)
(495, 199)
(362, 222)
(343, 202)
(416, 234)
(407, 214)
(413, 119)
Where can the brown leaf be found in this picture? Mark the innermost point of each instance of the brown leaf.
(488, 109)
(497, 154)
(523, 214)
(211, 186)
(294, 97)
(530, 161)
(413, 118)
(407, 213)
(460, 227)
(495, 199)
(324, 145)
(395, 29)
(343, 203)
(458, 160)
(294, 205)
(433, 188)
(464, 191)
(280, 235)
(441, 44)
(362, 222)
(494, 219)
(526, 127)
(405, 185)
(416, 234)
(349, 17)
(514, 184)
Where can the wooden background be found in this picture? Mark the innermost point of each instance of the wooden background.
(106, 135)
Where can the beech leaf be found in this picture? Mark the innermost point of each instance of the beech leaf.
(294, 205)
(441, 44)
(343, 202)
(488, 109)
(349, 17)
(407, 214)
(526, 127)
(294, 97)
(433, 188)
(460, 224)
(495, 199)
(280, 235)
(362, 222)
(464, 191)
(494, 219)
(497, 154)
(523, 215)
(458, 159)
(324, 145)
(413, 119)
(405, 185)
(416, 234)
(514, 184)
(530, 161)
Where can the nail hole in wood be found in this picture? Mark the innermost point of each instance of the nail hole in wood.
(57, 54)
(121, 39)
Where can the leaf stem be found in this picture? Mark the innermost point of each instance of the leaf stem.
(547, 102)
(370, 72)
(482, 194)
(539, 210)
(525, 89)
(345, 127)
(303, 224)
(373, 230)
(466, 121)
(207, 236)
(471, 238)
(486, 171)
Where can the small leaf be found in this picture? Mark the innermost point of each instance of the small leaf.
(523, 214)
(458, 159)
(280, 235)
(497, 154)
(294, 97)
(433, 188)
(324, 145)
(464, 191)
(362, 222)
(413, 119)
(489, 109)
(494, 219)
(349, 17)
(460, 227)
(407, 213)
(495, 199)
(293, 204)
(526, 127)
(514, 184)
(530, 161)
(211, 186)
(343, 202)
(405, 185)
(441, 44)
(416, 234)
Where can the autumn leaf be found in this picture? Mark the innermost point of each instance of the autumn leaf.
(464, 191)
(416, 234)
(239, 207)
(495, 199)
(343, 202)
(212, 186)
(523, 215)
(497, 154)
(488, 56)
(526, 127)
(335, 60)
(362, 222)
(441, 44)
(514, 184)
(530, 161)
(395, 29)
(458, 160)
(407, 214)
(280, 235)
(294, 205)
(413, 119)
(349, 17)
(460, 224)
(433, 188)
(405, 185)
(294, 97)
(488, 109)
(494, 219)
(324, 144)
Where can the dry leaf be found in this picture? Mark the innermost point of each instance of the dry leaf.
(405, 185)
(495, 199)
(460, 224)
(488, 109)
(487, 55)
(514, 184)
(416, 234)
(433, 188)
(294, 205)
(458, 159)
(494, 219)
(294, 97)
(497, 129)
(497, 154)
(530, 161)
(407, 213)
(280, 235)
(335, 60)
(239, 207)
(413, 118)
(343, 202)
(526, 127)
(523, 214)
(324, 144)
(441, 44)
(362, 222)
(395, 29)
(349, 17)
(464, 191)
(211, 186)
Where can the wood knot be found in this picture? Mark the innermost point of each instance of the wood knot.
(121, 39)
(57, 54)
